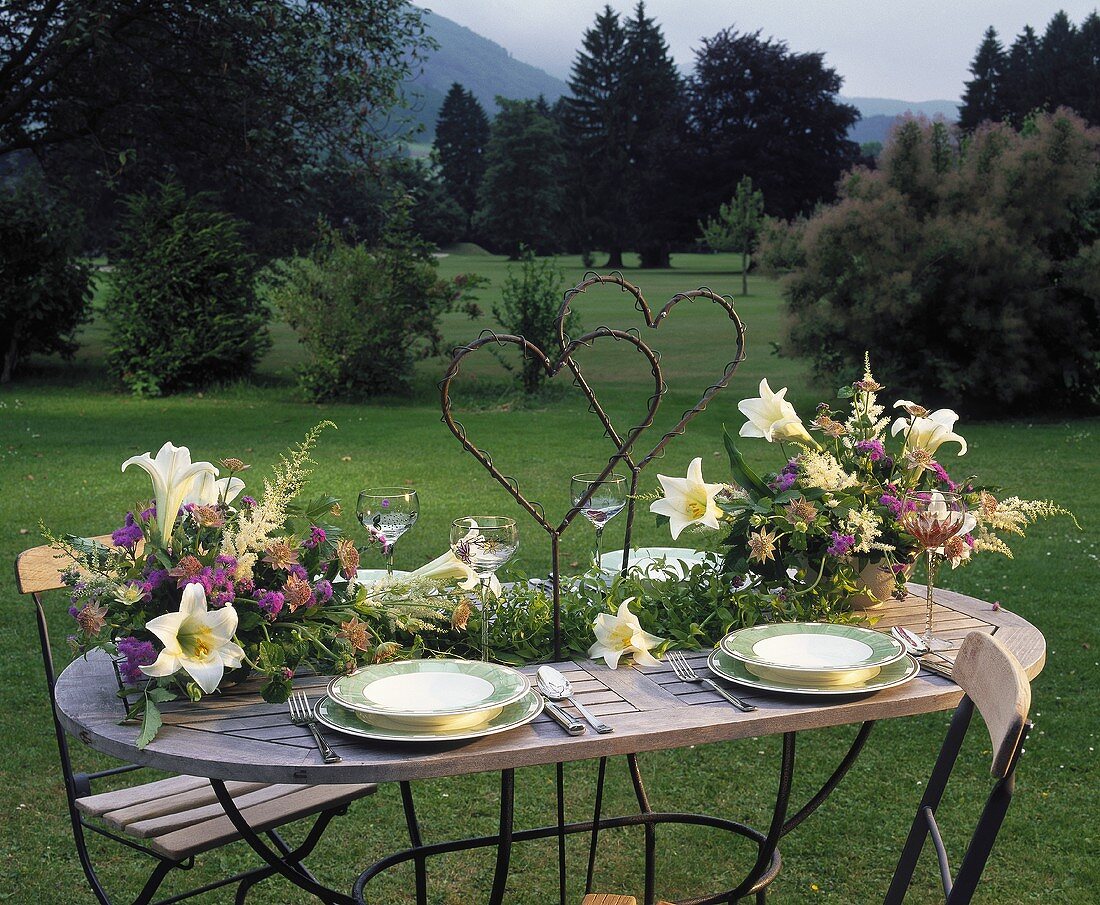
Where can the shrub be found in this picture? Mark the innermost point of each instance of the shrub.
(529, 305)
(970, 272)
(44, 290)
(365, 315)
(184, 313)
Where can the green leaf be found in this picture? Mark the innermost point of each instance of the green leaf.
(150, 724)
(160, 695)
(742, 474)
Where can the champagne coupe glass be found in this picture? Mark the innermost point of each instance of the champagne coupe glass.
(933, 518)
(608, 500)
(387, 513)
(484, 543)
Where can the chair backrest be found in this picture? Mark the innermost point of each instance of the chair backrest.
(996, 686)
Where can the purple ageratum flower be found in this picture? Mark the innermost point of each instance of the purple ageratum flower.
(873, 449)
(940, 472)
(150, 513)
(298, 571)
(270, 602)
(893, 503)
(229, 563)
(74, 611)
(248, 501)
(137, 654)
(316, 537)
(323, 591)
(842, 544)
(784, 481)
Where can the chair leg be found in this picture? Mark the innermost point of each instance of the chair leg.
(762, 896)
(246, 884)
(154, 881)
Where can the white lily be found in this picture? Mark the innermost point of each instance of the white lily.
(450, 566)
(928, 433)
(773, 417)
(688, 501)
(173, 474)
(621, 635)
(197, 640)
(206, 491)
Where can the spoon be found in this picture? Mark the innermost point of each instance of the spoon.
(912, 640)
(558, 688)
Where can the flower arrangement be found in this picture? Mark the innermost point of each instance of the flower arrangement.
(802, 541)
(206, 584)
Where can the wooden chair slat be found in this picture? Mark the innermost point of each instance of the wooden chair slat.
(994, 680)
(198, 797)
(98, 805)
(599, 898)
(169, 822)
(210, 834)
(39, 569)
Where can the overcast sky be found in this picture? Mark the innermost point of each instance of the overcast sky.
(913, 50)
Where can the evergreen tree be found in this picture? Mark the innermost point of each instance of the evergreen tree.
(654, 92)
(737, 226)
(598, 124)
(1090, 62)
(461, 133)
(1020, 92)
(1058, 69)
(981, 100)
(521, 196)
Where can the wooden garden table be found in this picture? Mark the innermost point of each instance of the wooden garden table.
(236, 736)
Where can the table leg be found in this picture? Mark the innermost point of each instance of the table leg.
(504, 845)
(420, 864)
(559, 776)
(650, 830)
(296, 875)
(597, 810)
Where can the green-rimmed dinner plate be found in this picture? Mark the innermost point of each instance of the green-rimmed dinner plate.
(513, 715)
(890, 676)
(817, 648)
(429, 689)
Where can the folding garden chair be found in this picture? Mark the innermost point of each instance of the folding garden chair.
(996, 685)
(172, 820)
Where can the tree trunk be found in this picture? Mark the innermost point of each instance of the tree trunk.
(656, 256)
(614, 258)
(744, 273)
(9, 358)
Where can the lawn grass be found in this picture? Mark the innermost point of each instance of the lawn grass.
(64, 434)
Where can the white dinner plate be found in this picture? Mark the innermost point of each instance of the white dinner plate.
(656, 562)
(897, 673)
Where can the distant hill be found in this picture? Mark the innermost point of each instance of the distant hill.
(479, 65)
(880, 113)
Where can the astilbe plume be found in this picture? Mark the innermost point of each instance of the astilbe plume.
(254, 526)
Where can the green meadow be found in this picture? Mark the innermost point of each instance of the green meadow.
(64, 432)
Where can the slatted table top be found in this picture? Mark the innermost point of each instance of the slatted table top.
(236, 736)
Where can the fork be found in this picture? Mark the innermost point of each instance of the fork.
(685, 673)
(301, 714)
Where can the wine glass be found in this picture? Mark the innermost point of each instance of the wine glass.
(484, 543)
(608, 499)
(933, 518)
(387, 513)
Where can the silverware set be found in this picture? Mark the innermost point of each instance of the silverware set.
(914, 646)
(685, 673)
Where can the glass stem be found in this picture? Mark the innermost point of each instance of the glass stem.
(933, 565)
(485, 579)
(599, 534)
(389, 561)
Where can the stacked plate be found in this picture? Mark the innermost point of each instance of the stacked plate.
(429, 700)
(813, 658)
(658, 563)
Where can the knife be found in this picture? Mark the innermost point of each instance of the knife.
(562, 717)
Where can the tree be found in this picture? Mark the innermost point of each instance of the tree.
(972, 271)
(755, 108)
(1021, 94)
(45, 291)
(654, 92)
(737, 226)
(184, 311)
(244, 97)
(597, 121)
(461, 133)
(981, 100)
(521, 197)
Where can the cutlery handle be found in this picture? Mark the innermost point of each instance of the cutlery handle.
(596, 724)
(563, 718)
(937, 669)
(327, 754)
(733, 699)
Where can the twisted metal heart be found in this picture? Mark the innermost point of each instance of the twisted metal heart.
(554, 367)
(652, 321)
